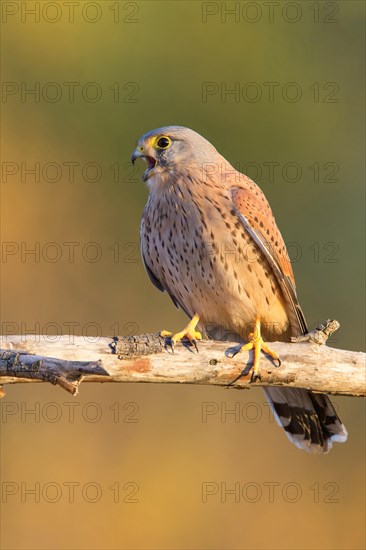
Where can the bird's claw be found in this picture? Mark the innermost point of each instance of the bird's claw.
(191, 338)
(254, 377)
(257, 344)
(194, 342)
(172, 346)
(188, 333)
(173, 341)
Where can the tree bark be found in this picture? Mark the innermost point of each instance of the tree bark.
(67, 360)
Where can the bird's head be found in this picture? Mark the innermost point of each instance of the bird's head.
(172, 149)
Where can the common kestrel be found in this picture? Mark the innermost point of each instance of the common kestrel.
(209, 238)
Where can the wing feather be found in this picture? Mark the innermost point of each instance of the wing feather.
(255, 215)
(309, 420)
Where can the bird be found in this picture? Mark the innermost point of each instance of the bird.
(209, 239)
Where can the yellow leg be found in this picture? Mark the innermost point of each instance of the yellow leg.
(256, 342)
(188, 332)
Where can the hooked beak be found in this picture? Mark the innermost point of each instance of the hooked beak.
(136, 154)
(139, 152)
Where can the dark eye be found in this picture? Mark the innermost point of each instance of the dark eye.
(163, 142)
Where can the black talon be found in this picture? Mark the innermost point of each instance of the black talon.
(168, 343)
(195, 344)
(279, 362)
(254, 377)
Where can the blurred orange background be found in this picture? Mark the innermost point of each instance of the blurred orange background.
(141, 466)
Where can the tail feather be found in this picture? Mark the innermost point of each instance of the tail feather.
(309, 419)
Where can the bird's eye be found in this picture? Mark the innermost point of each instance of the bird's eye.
(163, 142)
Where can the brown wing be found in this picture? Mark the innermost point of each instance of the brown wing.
(256, 216)
(309, 421)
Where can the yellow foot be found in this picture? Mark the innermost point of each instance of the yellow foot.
(257, 343)
(188, 332)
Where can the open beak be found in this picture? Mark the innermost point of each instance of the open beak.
(150, 161)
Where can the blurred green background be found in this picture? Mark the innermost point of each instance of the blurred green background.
(159, 57)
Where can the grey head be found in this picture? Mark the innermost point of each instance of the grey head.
(173, 149)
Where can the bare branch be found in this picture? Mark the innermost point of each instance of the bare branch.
(306, 363)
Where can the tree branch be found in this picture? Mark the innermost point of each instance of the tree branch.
(306, 363)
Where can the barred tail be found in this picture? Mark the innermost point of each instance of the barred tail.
(308, 419)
